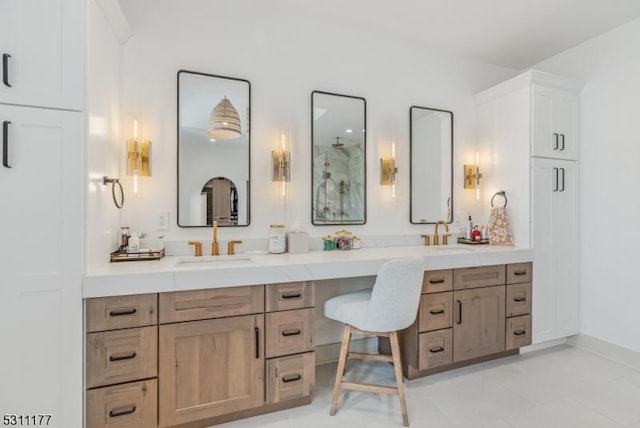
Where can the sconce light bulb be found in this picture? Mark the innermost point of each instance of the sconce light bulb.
(136, 185)
(477, 158)
(284, 188)
(135, 129)
(393, 191)
(477, 194)
(393, 149)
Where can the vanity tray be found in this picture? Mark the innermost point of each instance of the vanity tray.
(121, 256)
(470, 242)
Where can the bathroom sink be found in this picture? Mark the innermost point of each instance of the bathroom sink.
(212, 260)
(453, 249)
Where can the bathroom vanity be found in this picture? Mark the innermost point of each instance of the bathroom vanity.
(181, 343)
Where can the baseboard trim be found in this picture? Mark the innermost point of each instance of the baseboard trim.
(543, 345)
(614, 352)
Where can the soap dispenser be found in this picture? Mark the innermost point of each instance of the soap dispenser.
(134, 243)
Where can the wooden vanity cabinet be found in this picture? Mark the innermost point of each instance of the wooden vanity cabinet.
(518, 330)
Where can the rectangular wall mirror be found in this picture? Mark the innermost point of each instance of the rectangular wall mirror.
(338, 128)
(214, 122)
(431, 139)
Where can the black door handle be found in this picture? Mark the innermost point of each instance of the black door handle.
(562, 169)
(555, 141)
(555, 189)
(5, 70)
(519, 333)
(459, 307)
(291, 378)
(562, 147)
(436, 349)
(122, 411)
(436, 281)
(122, 312)
(5, 144)
(291, 332)
(122, 357)
(291, 295)
(436, 311)
(519, 299)
(257, 331)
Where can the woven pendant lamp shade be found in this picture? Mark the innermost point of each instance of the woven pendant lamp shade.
(224, 121)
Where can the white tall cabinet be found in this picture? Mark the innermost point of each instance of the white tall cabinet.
(529, 131)
(42, 210)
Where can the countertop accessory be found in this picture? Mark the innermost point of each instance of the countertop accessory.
(344, 240)
(328, 243)
(472, 242)
(297, 242)
(277, 239)
(113, 181)
(122, 256)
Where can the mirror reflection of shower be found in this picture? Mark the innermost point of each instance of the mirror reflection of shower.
(332, 199)
(219, 201)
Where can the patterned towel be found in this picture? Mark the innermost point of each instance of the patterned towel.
(499, 229)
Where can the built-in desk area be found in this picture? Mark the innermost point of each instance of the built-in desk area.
(184, 342)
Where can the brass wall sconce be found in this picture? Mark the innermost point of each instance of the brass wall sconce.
(138, 158)
(281, 162)
(389, 170)
(472, 176)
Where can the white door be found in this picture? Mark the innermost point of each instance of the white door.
(555, 123)
(41, 51)
(555, 242)
(41, 222)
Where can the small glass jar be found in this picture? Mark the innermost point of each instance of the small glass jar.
(344, 240)
(357, 243)
(328, 243)
(277, 239)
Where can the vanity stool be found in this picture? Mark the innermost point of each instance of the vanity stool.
(390, 306)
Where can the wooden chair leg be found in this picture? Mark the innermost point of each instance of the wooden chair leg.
(342, 361)
(397, 367)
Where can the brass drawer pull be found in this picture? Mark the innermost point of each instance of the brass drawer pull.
(122, 312)
(291, 332)
(291, 378)
(436, 350)
(122, 357)
(520, 272)
(291, 295)
(436, 311)
(436, 281)
(519, 299)
(519, 332)
(123, 411)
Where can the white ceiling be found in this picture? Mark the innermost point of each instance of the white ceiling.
(510, 33)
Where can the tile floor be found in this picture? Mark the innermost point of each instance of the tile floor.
(559, 387)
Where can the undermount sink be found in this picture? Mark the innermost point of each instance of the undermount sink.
(212, 260)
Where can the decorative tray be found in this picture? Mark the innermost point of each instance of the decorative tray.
(470, 242)
(121, 256)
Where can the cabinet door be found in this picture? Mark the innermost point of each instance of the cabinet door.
(555, 123)
(478, 326)
(42, 44)
(555, 242)
(210, 368)
(41, 217)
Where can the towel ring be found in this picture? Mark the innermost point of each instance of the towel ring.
(113, 182)
(500, 193)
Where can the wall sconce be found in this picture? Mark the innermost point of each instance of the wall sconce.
(138, 158)
(281, 162)
(472, 176)
(389, 170)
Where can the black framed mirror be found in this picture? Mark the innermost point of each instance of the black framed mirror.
(338, 167)
(431, 168)
(214, 122)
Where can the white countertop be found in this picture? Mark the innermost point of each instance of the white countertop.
(123, 278)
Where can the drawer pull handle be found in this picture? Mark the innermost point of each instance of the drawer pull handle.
(5, 143)
(291, 332)
(123, 411)
(122, 357)
(122, 312)
(520, 272)
(436, 350)
(257, 330)
(519, 332)
(291, 295)
(5, 70)
(436, 311)
(436, 281)
(291, 378)
(459, 310)
(519, 299)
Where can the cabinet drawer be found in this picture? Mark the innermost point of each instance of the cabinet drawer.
(121, 356)
(290, 377)
(436, 281)
(518, 299)
(293, 295)
(435, 349)
(214, 303)
(518, 332)
(482, 276)
(436, 311)
(519, 272)
(131, 405)
(111, 313)
(289, 332)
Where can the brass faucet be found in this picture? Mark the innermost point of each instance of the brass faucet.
(445, 237)
(215, 250)
(231, 247)
(426, 240)
(198, 247)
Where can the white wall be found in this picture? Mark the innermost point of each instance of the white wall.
(286, 53)
(610, 204)
(104, 145)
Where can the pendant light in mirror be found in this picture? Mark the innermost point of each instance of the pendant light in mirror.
(224, 121)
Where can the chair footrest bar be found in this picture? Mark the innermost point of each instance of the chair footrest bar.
(373, 357)
(367, 387)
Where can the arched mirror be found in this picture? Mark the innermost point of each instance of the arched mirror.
(431, 138)
(213, 150)
(338, 159)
